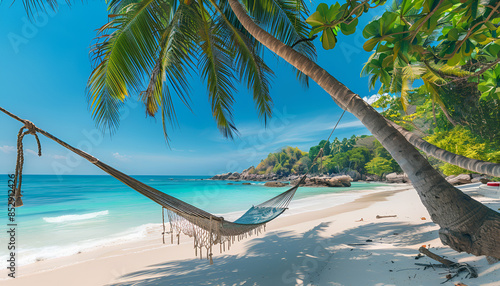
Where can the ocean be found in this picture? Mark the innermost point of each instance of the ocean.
(65, 215)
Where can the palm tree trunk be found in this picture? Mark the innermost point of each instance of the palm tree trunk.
(474, 165)
(466, 224)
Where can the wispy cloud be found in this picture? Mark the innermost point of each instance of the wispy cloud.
(59, 157)
(121, 157)
(32, 152)
(304, 131)
(7, 149)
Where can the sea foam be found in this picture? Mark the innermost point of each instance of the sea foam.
(32, 255)
(66, 218)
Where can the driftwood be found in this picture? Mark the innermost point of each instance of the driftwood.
(384, 216)
(454, 267)
(436, 257)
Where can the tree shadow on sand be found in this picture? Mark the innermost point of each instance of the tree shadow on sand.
(271, 259)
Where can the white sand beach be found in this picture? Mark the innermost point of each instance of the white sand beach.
(343, 245)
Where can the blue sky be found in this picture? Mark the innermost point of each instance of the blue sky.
(43, 73)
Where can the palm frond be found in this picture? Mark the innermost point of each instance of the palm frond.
(250, 66)
(124, 52)
(172, 65)
(405, 101)
(34, 7)
(216, 66)
(284, 19)
(454, 71)
(413, 71)
(433, 78)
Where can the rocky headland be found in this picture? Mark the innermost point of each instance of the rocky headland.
(336, 180)
(324, 180)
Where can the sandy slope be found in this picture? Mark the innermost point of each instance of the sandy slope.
(326, 247)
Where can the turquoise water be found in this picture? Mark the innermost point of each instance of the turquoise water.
(64, 215)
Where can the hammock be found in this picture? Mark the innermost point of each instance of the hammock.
(206, 229)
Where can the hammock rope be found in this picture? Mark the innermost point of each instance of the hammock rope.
(206, 229)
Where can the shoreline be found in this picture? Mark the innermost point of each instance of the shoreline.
(140, 232)
(325, 229)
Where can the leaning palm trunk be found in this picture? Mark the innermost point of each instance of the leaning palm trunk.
(474, 165)
(466, 224)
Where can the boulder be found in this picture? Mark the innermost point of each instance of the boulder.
(245, 174)
(246, 183)
(345, 180)
(355, 175)
(396, 178)
(338, 181)
(234, 176)
(371, 178)
(477, 178)
(275, 184)
(484, 180)
(459, 180)
(221, 176)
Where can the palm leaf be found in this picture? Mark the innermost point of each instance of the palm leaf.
(216, 66)
(172, 65)
(414, 71)
(249, 64)
(284, 19)
(125, 51)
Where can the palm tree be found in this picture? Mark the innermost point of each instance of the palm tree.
(158, 43)
(466, 224)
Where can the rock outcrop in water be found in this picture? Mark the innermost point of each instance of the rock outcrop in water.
(333, 180)
(275, 184)
(324, 181)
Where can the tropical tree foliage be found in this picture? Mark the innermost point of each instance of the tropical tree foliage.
(288, 160)
(447, 47)
(441, 59)
(439, 42)
(378, 166)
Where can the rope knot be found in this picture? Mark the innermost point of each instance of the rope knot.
(30, 126)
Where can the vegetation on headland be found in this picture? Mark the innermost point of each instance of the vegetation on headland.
(363, 154)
